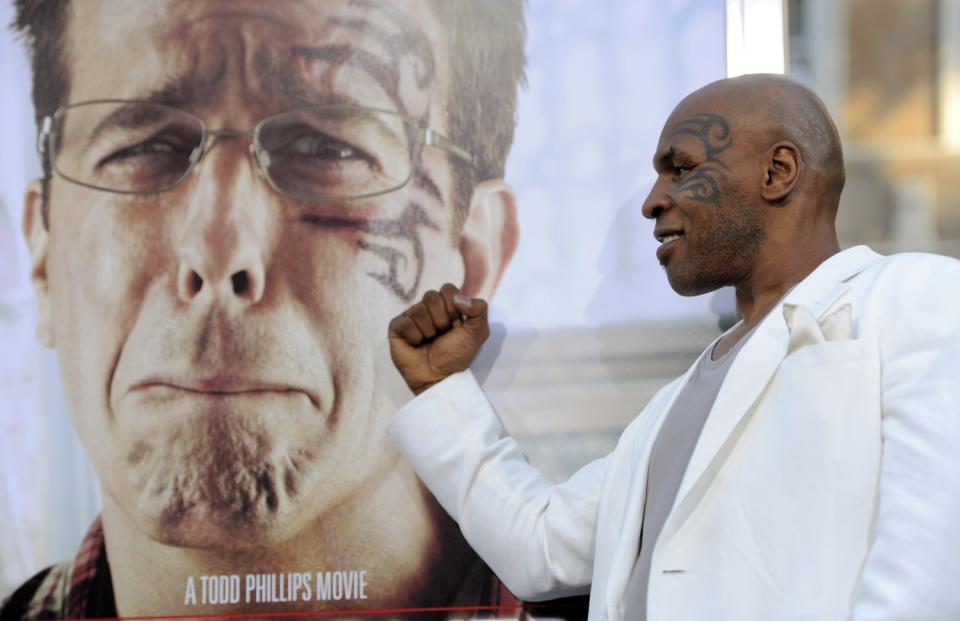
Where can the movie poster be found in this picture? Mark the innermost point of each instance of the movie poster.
(195, 379)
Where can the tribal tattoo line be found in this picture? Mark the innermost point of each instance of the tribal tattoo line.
(405, 228)
(407, 42)
(713, 131)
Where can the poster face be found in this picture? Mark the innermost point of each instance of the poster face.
(242, 195)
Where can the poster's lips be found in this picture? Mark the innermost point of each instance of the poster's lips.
(223, 385)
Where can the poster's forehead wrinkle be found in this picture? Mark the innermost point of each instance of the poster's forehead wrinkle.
(235, 9)
(278, 79)
(217, 50)
(272, 58)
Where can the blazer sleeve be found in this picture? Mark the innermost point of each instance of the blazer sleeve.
(538, 537)
(912, 568)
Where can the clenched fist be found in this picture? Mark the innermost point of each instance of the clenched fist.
(438, 336)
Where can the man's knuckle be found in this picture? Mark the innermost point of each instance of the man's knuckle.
(417, 311)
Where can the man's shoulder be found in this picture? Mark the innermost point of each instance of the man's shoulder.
(43, 596)
(906, 297)
(916, 260)
(909, 278)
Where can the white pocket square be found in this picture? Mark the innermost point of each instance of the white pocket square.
(806, 330)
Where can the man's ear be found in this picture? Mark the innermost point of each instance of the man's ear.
(781, 171)
(489, 237)
(38, 241)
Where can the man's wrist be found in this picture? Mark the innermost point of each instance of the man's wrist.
(425, 386)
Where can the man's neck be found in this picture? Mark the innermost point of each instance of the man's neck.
(777, 272)
(392, 546)
(779, 268)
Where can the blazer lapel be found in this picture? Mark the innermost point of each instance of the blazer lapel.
(752, 371)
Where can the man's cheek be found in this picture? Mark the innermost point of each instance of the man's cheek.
(391, 251)
(400, 247)
(104, 250)
(100, 270)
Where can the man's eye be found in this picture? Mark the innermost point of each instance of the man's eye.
(142, 166)
(150, 147)
(321, 146)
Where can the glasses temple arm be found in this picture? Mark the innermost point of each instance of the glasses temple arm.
(436, 139)
(45, 129)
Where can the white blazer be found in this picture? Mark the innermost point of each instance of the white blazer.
(825, 484)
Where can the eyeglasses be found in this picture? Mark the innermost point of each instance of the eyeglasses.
(314, 154)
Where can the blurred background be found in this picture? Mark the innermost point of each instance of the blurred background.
(889, 70)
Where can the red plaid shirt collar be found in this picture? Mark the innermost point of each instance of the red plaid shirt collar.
(91, 590)
(80, 589)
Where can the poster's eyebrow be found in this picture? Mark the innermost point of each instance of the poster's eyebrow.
(179, 92)
(182, 91)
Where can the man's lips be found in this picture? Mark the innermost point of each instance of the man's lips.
(668, 238)
(222, 385)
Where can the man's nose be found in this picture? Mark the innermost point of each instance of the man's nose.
(657, 202)
(222, 246)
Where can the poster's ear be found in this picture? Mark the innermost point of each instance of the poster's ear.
(38, 241)
(489, 238)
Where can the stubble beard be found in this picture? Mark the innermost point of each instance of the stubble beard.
(222, 481)
(723, 255)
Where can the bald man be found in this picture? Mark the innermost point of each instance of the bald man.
(805, 467)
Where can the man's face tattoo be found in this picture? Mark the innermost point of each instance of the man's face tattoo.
(701, 196)
(713, 132)
(402, 41)
(403, 230)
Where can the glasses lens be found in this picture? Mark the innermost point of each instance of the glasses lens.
(126, 146)
(324, 153)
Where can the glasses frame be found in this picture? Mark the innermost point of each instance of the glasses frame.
(423, 136)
